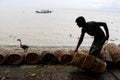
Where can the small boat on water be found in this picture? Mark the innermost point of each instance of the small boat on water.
(44, 11)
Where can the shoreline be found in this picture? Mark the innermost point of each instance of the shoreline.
(44, 47)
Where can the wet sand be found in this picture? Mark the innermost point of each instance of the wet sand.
(53, 72)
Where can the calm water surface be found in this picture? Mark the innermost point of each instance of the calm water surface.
(53, 29)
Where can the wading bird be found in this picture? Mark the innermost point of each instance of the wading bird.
(24, 47)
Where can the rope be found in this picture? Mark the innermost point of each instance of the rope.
(83, 62)
(100, 46)
(96, 65)
(72, 59)
(86, 56)
(92, 61)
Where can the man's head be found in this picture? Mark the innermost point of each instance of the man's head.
(80, 21)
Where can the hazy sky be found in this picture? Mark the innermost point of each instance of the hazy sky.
(88, 4)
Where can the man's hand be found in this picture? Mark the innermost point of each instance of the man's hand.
(76, 50)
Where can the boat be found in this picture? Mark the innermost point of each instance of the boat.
(44, 11)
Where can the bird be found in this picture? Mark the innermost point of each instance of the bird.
(24, 47)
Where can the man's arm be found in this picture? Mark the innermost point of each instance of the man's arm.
(106, 29)
(80, 40)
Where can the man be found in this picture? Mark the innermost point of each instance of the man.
(93, 29)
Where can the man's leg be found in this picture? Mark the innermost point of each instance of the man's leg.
(96, 48)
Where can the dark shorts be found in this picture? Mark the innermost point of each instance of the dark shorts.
(97, 46)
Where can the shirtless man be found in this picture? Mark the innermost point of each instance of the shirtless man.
(93, 29)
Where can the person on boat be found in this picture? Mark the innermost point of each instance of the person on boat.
(93, 29)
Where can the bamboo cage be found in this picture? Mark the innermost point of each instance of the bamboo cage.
(47, 57)
(32, 57)
(85, 51)
(63, 56)
(118, 63)
(114, 51)
(15, 57)
(105, 56)
(119, 46)
(3, 55)
(88, 62)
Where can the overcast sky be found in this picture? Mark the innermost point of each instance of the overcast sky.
(88, 4)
